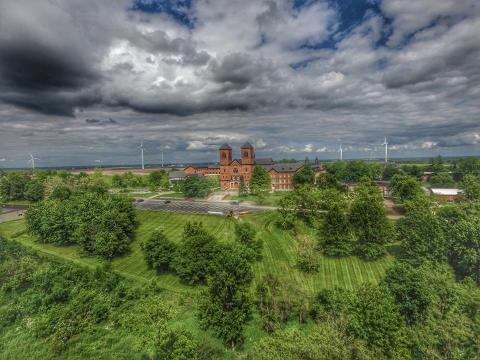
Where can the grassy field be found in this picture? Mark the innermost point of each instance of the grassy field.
(279, 255)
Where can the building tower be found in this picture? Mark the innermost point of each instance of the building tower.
(248, 154)
(225, 153)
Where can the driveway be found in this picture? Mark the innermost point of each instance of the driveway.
(198, 207)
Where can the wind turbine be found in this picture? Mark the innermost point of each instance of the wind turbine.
(32, 161)
(162, 158)
(341, 152)
(141, 149)
(386, 149)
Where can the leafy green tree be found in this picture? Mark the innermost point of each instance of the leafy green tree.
(391, 170)
(196, 255)
(442, 179)
(358, 169)
(329, 181)
(225, 306)
(176, 345)
(471, 187)
(338, 169)
(286, 212)
(13, 185)
(305, 203)
(117, 181)
(336, 234)
(465, 248)
(245, 234)
(304, 176)
(369, 221)
(242, 188)
(376, 319)
(52, 221)
(421, 232)
(260, 182)
(307, 258)
(413, 170)
(437, 164)
(159, 251)
(469, 166)
(34, 190)
(196, 186)
(410, 290)
(324, 341)
(158, 179)
(276, 304)
(405, 187)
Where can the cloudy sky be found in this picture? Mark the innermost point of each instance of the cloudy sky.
(86, 80)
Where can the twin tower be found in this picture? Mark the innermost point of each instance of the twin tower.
(231, 170)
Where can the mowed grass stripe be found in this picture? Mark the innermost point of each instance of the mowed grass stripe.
(279, 253)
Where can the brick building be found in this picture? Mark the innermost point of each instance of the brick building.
(231, 170)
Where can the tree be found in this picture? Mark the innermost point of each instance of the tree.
(329, 181)
(375, 318)
(242, 188)
(159, 251)
(307, 258)
(465, 248)
(12, 186)
(225, 306)
(369, 221)
(176, 345)
(471, 187)
(438, 164)
(101, 224)
(34, 190)
(413, 170)
(196, 186)
(410, 290)
(118, 182)
(196, 255)
(158, 179)
(245, 234)
(405, 187)
(442, 179)
(469, 166)
(421, 232)
(390, 170)
(304, 176)
(336, 234)
(260, 182)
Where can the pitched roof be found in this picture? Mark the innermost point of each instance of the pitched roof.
(287, 167)
(247, 145)
(264, 161)
(225, 147)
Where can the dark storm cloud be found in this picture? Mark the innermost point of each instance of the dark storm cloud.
(68, 67)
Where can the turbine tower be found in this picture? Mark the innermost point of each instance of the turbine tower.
(341, 152)
(386, 149)
(162, 158)
(32, 161)
(141, 149)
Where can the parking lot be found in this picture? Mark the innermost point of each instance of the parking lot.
(198, 207)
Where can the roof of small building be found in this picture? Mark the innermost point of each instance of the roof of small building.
(177, 175)
(225, 147)
(284, 167)
(441, 191)
(247, 145)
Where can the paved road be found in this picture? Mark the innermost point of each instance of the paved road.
(198, 207)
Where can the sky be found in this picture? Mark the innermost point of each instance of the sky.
(84, 82)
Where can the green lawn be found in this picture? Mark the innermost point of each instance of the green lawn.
(279, 255)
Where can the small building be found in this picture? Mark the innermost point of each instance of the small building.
(446, 194)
